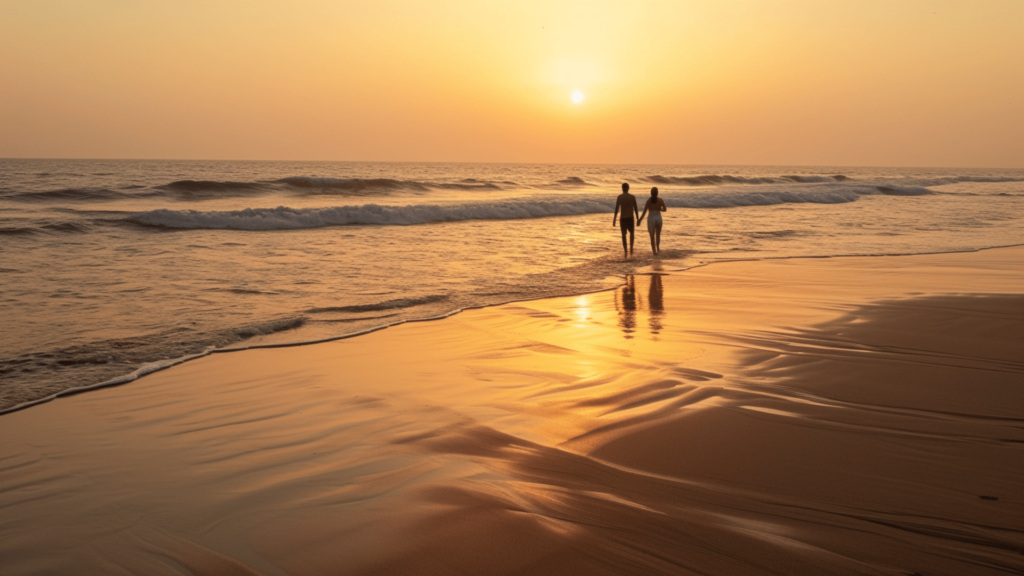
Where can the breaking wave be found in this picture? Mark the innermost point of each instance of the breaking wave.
(285, 218)
(471, 184)
(270, 327)
(573, 181)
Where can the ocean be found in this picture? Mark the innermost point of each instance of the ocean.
(113, 269)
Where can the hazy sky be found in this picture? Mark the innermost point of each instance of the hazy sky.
(890, 82)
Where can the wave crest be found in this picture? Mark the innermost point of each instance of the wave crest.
(573, 181)
(285, 218)
(903, 190)
(269, 327)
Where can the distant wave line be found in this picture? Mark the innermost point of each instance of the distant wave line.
(310, 185)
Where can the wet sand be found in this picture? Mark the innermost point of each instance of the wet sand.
(823, 416)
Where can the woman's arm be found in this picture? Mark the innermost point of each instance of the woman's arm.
(641, 218)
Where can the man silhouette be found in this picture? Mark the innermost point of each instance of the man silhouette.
(627, 203)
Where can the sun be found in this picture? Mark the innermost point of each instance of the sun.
(577, 96)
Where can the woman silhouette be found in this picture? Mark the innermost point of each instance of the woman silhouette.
(656, 206)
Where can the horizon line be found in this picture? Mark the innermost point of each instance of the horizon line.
(4, 158)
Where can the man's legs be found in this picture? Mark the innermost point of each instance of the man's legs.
(627, 226)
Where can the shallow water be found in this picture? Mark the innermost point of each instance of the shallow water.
(112, 267)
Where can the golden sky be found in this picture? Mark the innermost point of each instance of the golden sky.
(817, 82)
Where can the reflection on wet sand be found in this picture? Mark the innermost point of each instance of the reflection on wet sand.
(763, 435)
(629, 303)
(656, 304)
(625, 304)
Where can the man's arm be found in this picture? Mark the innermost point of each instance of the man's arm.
(616, 211)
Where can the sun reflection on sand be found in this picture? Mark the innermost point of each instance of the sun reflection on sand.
(582, 310)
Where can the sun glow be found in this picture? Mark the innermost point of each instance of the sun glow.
(689, 82)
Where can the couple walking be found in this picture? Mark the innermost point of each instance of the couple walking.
(626, 203)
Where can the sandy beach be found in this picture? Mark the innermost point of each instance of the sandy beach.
(859, 415)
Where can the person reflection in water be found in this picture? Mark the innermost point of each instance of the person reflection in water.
(656, 301)
(656, 206)
(625, 303)
(630, 302)
(626, 203)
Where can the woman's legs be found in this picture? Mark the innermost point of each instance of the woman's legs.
(656, 239)
(654, 246)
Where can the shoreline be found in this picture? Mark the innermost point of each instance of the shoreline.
(148, 369)
(841, 416)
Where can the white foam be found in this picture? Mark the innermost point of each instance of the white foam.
(285, 218)
(133, 376)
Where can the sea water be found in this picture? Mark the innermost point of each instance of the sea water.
(111, 269)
